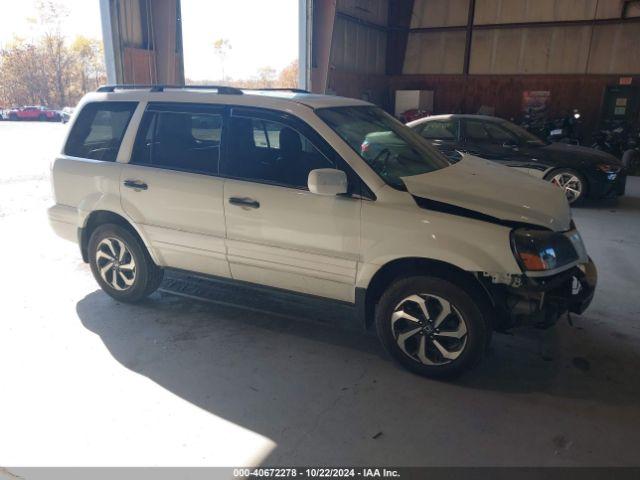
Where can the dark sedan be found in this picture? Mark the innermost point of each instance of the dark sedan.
(581, 172)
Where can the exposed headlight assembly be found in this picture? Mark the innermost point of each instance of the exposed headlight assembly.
(540, 250)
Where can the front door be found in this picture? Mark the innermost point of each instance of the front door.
(171, 190)
(278, 233)
(487, 139)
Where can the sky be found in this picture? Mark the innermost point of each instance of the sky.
(261, 33)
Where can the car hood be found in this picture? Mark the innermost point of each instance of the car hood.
(566, 153)
(492, 190)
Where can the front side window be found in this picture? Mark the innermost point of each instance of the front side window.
(270, 152)
(179, 141)
(523, 135)
(474, 130)
(392, 149)
(440, 129)
(98, 130)
(499, 134)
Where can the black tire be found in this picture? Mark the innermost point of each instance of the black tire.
(585, 186)
(146, 276)
(631, 161)
(465, 310)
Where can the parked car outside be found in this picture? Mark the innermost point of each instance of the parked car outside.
(65, 114)
(34, 113)
(581, 172)
(280, 190)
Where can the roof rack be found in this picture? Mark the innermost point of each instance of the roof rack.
(221, 89)
(278, 89)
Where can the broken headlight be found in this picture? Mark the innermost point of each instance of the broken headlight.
(540, 250)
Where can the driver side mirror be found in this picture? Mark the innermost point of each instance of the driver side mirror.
(327, 181)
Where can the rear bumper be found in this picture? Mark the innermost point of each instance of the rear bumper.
(541, 301)
(63, 220)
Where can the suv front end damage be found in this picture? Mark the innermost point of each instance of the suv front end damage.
(541, 300)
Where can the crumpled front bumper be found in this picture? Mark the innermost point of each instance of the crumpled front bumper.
(541, 301)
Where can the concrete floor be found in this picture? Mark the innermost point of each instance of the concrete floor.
(88, 381)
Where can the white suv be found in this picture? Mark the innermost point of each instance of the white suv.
(320, 195)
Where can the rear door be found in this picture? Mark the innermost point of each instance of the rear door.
(278, 233)
(170, 186)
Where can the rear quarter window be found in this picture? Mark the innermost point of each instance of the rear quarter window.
(98, 130)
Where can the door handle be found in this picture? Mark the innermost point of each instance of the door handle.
(135, 184)
(244, 202)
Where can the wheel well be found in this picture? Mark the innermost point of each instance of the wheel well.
(97, 218)
(407, 267)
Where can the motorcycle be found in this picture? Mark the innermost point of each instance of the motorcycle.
(620, 140)
(565, 129)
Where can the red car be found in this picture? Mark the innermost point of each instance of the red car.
(34, 113)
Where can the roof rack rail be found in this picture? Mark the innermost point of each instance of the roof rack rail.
(222, 89)
(280, 89)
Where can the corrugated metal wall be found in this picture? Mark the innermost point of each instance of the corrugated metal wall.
(563, 49)
(576, 62)
(359, 42)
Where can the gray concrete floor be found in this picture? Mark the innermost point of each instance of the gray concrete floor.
(89, 381)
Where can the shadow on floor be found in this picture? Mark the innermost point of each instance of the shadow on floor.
(192, 347)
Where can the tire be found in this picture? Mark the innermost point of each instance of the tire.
(139, 279)
(467, 330)
(631, 161)
(566, 178)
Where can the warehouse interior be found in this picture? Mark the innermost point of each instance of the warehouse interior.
(210, 372)
(467, 56)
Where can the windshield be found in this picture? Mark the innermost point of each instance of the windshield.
(523, 135)
(389, 147)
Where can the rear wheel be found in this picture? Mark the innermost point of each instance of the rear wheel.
(571, 182)
(431, 326)
(121, 264)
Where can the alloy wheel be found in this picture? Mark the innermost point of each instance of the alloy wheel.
(570, 183)
(429, 329)
(115, 263)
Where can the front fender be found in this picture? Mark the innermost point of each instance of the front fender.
(468, 244)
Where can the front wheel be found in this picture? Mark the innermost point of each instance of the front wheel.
(121, 264)
(631, 161)
(571, 182)
(431, 326)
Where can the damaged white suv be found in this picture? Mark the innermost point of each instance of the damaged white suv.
(319, 195)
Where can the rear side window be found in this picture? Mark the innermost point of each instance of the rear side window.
(175, 140)
(98, 130)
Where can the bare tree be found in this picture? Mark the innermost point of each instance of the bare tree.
(51, 16)
(221, 47)
(288, 77)
(266, 77)
(88, 53)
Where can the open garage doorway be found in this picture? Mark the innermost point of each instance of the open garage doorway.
(242, 43)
